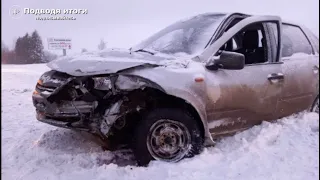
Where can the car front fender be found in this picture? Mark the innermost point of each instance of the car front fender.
(180, 83)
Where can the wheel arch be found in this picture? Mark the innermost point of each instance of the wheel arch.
(182, 97)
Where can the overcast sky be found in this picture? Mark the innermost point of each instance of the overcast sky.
(123, 23)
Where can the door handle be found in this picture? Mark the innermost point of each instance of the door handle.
(275, 76)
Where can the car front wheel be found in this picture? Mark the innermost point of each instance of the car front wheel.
(166, 135)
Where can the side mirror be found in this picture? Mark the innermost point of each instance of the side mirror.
(227, 60)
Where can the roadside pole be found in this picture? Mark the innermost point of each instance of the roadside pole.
(64, 52)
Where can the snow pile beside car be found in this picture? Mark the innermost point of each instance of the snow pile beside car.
(286, 149)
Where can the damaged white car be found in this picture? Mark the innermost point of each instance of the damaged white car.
(180, 89)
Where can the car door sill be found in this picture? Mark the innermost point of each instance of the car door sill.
(228, 133)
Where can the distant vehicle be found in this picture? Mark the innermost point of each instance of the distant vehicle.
(182, 88)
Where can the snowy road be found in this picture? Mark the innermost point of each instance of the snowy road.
(287, 149)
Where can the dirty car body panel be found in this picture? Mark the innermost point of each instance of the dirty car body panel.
(91, 91)
(301, 71)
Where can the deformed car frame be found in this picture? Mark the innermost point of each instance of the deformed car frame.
(168, 107)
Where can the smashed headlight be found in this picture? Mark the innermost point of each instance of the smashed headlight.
(102, 83)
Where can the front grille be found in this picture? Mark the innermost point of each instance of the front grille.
(45, 90)
(51, 81)
(41, 88)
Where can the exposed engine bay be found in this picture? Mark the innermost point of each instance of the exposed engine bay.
(102, 105)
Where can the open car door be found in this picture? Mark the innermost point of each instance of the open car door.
(241, 98)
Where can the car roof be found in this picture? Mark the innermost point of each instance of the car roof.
(285, 21)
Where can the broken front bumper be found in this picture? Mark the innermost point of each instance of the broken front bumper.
(65, 114)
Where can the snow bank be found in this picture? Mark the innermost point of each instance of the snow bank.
(285, 149)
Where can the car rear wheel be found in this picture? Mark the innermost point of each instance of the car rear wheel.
(166, 135)
(315, 106)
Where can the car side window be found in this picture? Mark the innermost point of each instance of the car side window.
(294, 41)
(273, 28)
(313, 38)
(261, 38)
(234, 45)
(251, 42)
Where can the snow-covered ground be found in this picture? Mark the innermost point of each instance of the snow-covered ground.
(286, 149)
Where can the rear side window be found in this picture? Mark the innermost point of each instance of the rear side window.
(314, 39)
(294, 41)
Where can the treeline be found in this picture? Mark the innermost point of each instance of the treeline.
(28, 50)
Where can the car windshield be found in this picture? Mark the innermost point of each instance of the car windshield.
(183, 37)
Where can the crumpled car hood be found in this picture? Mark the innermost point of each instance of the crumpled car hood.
(108, 61)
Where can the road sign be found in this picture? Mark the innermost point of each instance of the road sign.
(59, 43)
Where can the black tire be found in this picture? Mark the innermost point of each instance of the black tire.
(141, 140)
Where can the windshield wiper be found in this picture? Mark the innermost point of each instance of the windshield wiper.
(142, 50)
